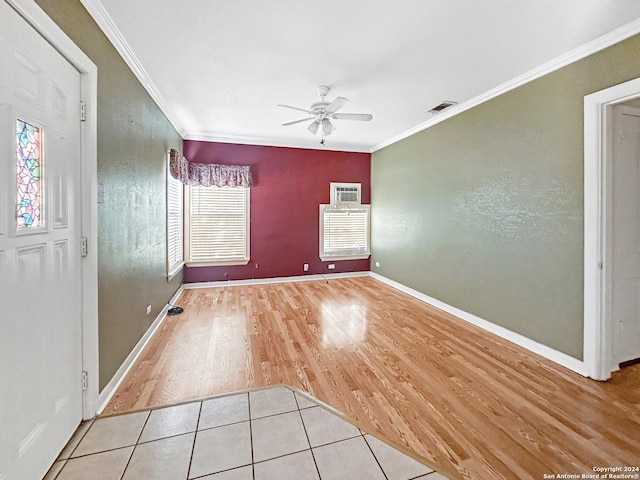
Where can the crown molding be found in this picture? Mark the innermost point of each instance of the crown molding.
(271, 142)
(589, 48)
(108, 26)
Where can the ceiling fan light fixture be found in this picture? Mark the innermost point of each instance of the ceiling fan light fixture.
(324, 112)
(327, 127)
(313, 127)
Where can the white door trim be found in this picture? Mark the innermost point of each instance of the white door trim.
(49, 30)
(598, 348)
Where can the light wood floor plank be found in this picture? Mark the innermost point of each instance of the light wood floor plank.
(469, 403)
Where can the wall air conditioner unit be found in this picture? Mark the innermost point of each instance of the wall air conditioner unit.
(345, 193)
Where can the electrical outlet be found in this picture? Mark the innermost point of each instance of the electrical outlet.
(332, 266)
(377, 264)
(148, 309)
(305, 267)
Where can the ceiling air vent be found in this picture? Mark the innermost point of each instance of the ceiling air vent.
(444, 105)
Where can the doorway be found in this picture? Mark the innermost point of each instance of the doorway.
(49, 290)
(612, 230)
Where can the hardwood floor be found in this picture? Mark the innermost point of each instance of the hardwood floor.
(469, 403)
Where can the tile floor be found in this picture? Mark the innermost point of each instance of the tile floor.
(274, 433)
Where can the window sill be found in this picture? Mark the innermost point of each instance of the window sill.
(345, 257)
(175, 271)
(225, 263)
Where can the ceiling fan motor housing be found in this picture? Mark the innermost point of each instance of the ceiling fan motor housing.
(318, 107)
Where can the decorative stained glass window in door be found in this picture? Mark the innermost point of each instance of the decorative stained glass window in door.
(29, 175)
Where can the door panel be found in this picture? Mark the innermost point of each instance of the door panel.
(40, 270)
(625, 214)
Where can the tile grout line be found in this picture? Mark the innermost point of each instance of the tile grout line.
(65, 460)
(253, 468)
(60, 471)
(77, 444)
(304, 426)
(216, 426)
(423, 476)
(375, 458)
(135, 445)
(213, 428)
(195, 435)
(106, 451)
(174, 435)
(343, 417)
(276, 414)
(298, 408)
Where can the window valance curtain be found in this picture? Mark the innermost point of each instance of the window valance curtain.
(208, 175)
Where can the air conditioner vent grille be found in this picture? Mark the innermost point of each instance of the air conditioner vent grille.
(345, 193)
(442, 106)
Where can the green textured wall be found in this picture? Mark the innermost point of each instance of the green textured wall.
(484, 211)
(133, 137)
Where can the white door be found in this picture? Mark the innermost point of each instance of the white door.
(625, 233)
(40, 250)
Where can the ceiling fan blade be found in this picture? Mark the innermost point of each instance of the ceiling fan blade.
(327, 127)
(313, 126)
(297, 121)
(295, 108)
(365, 117)
(337, 104)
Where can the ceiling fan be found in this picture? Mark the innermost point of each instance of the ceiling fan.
(323, 112)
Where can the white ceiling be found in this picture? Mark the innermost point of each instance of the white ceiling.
(218, 69)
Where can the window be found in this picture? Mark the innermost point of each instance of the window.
(344, 232)
(29, 212)
(217, 223)
(175, 226)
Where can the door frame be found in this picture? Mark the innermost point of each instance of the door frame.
(598, 322)
(50, 31)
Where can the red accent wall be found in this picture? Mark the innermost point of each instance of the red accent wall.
(288, 186)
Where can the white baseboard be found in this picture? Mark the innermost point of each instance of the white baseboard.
(261, 281)
(549, 353)
(110, 389)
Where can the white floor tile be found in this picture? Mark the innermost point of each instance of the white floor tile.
(347, 460)
(324, 427)
(100, 466)
(287, 431)
(166, 422)
(242, 473)
(112, 432)
(278, 435)
(54, 470)
(165, 459)
(224, 411)
(221, 448)
(271, 402)
(304, 402)
(75, 440)
(298, 466)
(395, 464)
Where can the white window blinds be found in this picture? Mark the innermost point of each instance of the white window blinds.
(175, 225)
(218, 225)
(344, 232)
